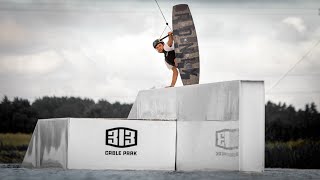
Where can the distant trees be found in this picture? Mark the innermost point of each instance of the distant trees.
(17, 116)
(58, 107)
(21, 116)
(284, 123)
(103, 109)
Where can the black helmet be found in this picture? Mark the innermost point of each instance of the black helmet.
(156, 42)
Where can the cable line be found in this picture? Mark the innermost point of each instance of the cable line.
(301, 59)
(163, 32)
(163, 15)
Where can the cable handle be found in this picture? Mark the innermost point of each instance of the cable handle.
(164, 37)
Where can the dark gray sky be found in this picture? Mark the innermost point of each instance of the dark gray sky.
(102, 49)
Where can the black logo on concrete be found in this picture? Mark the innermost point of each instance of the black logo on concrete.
(227, 139)
(121, 137)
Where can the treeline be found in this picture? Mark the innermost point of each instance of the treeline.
(19, 115)
(284, 123)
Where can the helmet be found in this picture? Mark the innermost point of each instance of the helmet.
(156, 42)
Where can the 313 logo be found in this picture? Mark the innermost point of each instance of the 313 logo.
(121, 137)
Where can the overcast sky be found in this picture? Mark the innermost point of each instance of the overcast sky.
(102, 49)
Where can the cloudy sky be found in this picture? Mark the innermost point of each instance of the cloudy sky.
(102, 49)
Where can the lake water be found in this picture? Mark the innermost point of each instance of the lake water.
(14, 172)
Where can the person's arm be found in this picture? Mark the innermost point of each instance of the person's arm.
(174, 77)
(170, 40)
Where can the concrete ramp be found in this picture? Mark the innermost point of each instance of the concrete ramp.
(220, 126)
(217, 126)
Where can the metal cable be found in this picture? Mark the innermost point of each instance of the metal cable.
(302, 58)
(163, 15)
(162, 32)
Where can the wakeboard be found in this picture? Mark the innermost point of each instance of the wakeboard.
(186, 44)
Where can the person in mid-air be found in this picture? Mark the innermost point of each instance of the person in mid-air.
(169, 56)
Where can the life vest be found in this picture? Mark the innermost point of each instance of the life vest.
(169, 57)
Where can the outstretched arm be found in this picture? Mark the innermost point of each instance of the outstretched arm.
(170, 40)
(174, 77)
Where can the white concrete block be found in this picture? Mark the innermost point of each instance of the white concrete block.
(206, 102)
(252, 126)
(207, 145)
(237, 102)
(155, 104)
(152, 144)
(75, 143)
(214, 101)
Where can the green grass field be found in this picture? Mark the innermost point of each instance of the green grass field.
(15, 139)
(290, 154)
(13, 147)
(303, 154)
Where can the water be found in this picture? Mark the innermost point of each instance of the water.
(14, 172)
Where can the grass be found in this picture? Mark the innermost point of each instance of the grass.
(293, 154)
(13, 147)
(10, 139)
